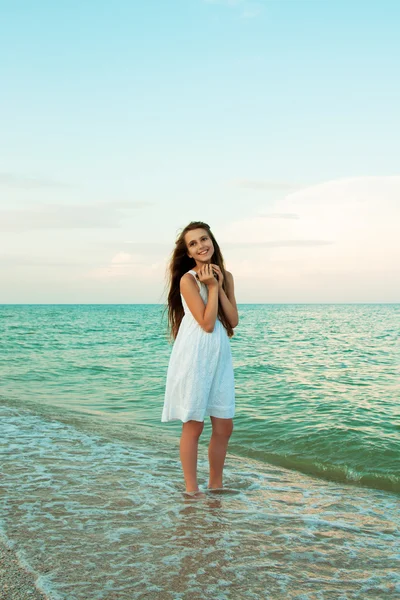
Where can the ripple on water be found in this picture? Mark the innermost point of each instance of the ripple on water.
(102, 517)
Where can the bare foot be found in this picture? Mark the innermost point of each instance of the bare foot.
(196, 494)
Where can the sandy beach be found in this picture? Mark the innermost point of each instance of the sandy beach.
(16, 583)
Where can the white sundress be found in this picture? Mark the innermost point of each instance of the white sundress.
(200, 379)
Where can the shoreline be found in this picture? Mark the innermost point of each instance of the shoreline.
(16, 582)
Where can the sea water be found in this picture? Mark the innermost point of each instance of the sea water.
(91, 487)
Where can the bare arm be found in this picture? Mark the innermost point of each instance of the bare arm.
(205, 315)
(227, 299)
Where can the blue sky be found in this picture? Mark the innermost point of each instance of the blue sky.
(276, 122)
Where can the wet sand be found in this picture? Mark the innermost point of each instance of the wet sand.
(16, 583)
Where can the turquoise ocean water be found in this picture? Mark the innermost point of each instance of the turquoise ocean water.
(313, 465)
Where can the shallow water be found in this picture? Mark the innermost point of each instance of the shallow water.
(93, 505)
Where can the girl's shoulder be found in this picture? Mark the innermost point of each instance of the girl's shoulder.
(189, 276)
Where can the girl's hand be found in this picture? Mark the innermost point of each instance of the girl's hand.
(218, 271)
(206, 275)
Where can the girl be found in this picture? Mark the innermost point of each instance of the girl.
(202, 313)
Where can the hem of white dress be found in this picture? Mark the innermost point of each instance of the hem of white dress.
(220, 414)
(210, 412)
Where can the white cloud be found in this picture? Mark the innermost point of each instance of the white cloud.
(336, 241)
(278, 215)
(128, 266)
(266, 185)
(344, 228)
(122, 257)
(99, 215)
(21, 181)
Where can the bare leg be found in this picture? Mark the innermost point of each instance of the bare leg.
(191, 431)
(221, 432)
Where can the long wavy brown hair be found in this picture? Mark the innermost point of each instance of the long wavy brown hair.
(179, 264)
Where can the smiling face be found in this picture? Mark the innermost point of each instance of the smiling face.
(199, 246)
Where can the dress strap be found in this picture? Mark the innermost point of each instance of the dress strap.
(195, 276)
